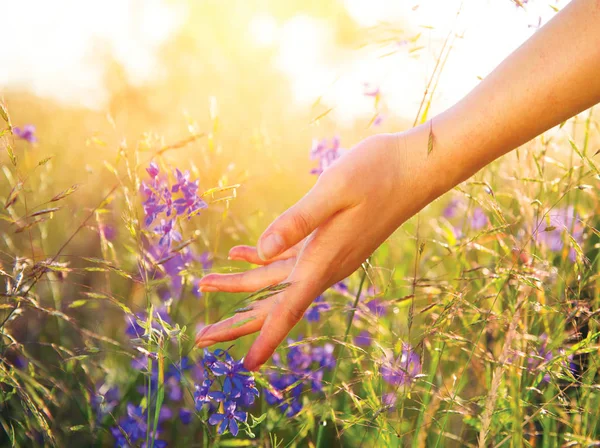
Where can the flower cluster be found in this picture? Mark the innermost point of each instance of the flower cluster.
(313, 313)
(403, 370)
(133, 428)
(325, 153)
(305, 368)
(169, 202)
(226, 382)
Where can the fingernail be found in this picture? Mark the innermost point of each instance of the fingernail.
(207, 289)
(204, 344)
(272, 245)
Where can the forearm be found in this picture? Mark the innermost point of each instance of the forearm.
(550, 78)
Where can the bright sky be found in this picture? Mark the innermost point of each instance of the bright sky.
(53, 48)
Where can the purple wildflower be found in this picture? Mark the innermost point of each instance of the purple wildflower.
(325, 154)
(313, 314)
(451, 209)
(363, 339)
(540, 357)
(185, 415)
(479, 219)
(26, 133)
(561, 222)
(404, 369)
(204, 395)
(229, 419)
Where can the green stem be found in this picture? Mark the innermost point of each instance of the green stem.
(340, 349)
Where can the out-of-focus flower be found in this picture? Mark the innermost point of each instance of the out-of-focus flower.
(379, 118)
(326, 154)
(370, 90)
(389, 401)
(363, 339)
(108, 231)
(539, 357)
(26, 133)
(304, 366)
(313, 314)
(561, 222)
(402, 370)
(228, 419)
(478, 219)
(185, 415)
(451, 209)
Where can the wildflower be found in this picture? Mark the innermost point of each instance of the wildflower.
(371, 91)
(185, 415)
(305, 365)
(313, 314)
(479, 219)
(539, 357)
(451, 209)
(378, 120)
(234, 372)
(561, 222)
(167, 233)
(325, 154)
(404, 369)
(229, 419)
(153, 170)
(204, 395)
(363, 339)
(26, 133)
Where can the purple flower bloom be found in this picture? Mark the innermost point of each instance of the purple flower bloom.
(185, 415)
(378, 120)
(235, 375)
(325, 154)
(26, 133)
(371, 91)
(389, 401)
(228, 419)
(451, 209)
(153, 170)
(363, 339)
(561, 222)
(539, 357)
(404, 369)
(313, 314)
(479, 219)
(204, 395)
(107, 231)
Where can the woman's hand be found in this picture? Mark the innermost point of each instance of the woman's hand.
(355, 205)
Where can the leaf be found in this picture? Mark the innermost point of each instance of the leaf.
(65, 193)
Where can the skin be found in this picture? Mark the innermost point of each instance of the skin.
(366, 195)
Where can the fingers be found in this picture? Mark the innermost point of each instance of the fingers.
(250, 254)
(321, 202)
(248, 281)
(235, 327)
(315, 271)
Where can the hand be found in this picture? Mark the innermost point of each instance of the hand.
(355, 205)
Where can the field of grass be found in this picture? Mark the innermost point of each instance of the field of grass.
(475, 324)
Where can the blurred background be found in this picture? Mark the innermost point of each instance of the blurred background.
(94, 76)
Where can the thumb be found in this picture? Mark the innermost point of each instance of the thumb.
(300, 220)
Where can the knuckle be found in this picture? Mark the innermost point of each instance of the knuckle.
(292, 315)
(302, 222)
